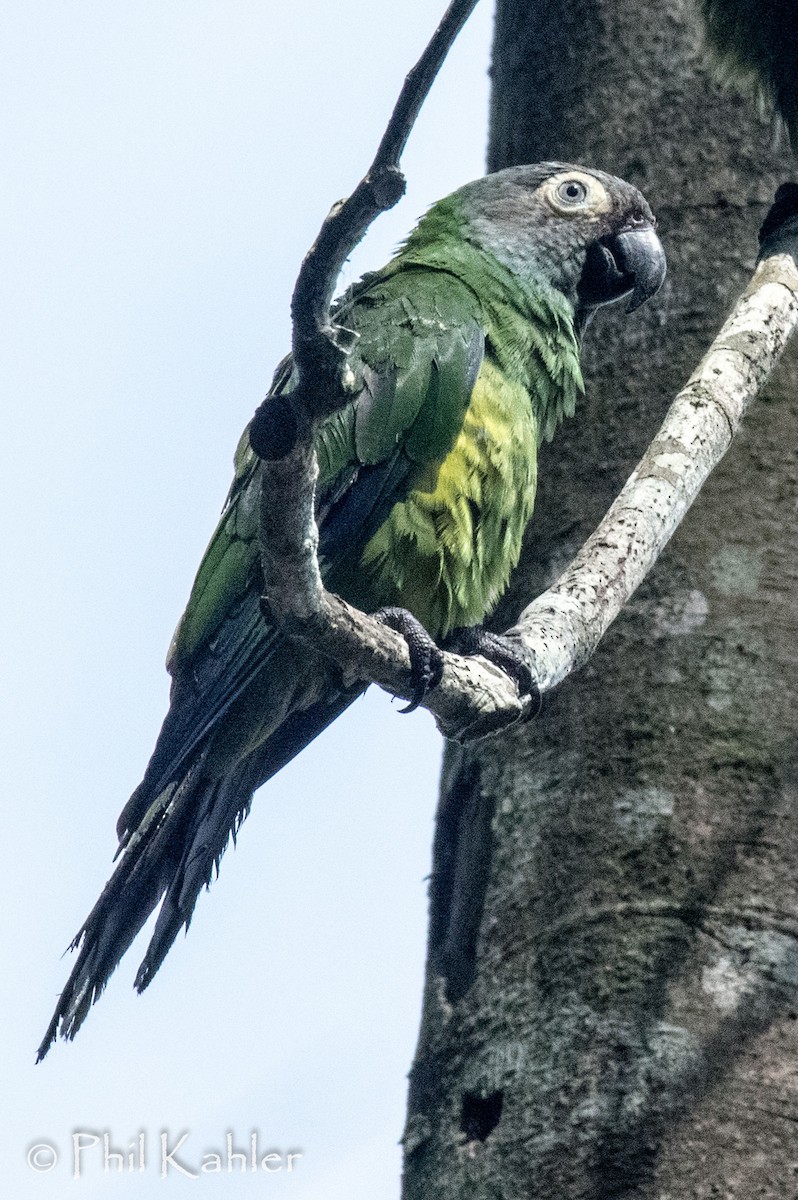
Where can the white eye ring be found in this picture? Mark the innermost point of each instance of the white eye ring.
(572, 193)
(575, 193)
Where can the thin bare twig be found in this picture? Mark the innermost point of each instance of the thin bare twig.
(320, 347)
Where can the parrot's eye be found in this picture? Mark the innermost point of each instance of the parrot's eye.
(575, 193)
(572, 191)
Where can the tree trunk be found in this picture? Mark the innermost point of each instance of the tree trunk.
(610, 1007)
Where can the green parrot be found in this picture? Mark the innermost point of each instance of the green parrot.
(756, 44)
(466, 357)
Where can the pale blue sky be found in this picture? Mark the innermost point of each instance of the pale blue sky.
(164, 169)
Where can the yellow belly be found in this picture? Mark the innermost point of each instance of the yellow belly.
(446, 552)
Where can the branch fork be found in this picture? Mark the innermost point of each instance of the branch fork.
(559, 631)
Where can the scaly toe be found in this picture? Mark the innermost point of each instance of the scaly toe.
(426, 660)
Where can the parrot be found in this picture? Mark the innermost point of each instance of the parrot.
(755, 43)
(465, 357)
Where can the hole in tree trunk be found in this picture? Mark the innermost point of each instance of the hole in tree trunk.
(481, 1115)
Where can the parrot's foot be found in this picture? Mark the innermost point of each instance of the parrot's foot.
(780, 226)
(502, 652)
(426, 660)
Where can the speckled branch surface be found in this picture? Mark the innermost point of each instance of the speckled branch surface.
(562, 627)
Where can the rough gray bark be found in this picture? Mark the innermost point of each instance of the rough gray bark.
(611, 1006)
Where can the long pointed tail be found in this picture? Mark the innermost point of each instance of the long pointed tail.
(173, 854)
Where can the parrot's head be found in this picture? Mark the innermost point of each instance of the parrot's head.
(589, 235)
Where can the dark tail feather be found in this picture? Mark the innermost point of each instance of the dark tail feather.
(219, 817)
(216, 818)
(173, 854)
(126, 901)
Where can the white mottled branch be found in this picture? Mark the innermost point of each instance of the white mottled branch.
(559, 630)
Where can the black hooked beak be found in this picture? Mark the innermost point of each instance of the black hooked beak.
(630, 261)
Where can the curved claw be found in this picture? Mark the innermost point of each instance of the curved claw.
(426, 660)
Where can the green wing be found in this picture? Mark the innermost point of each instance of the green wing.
(418, 353)
(420, 346)
(419, 349)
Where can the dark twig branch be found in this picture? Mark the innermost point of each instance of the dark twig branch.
(474, 698)
(319, 346)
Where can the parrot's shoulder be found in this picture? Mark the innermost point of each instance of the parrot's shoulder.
(420, 340)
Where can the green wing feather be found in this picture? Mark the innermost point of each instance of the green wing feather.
(419, 348)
